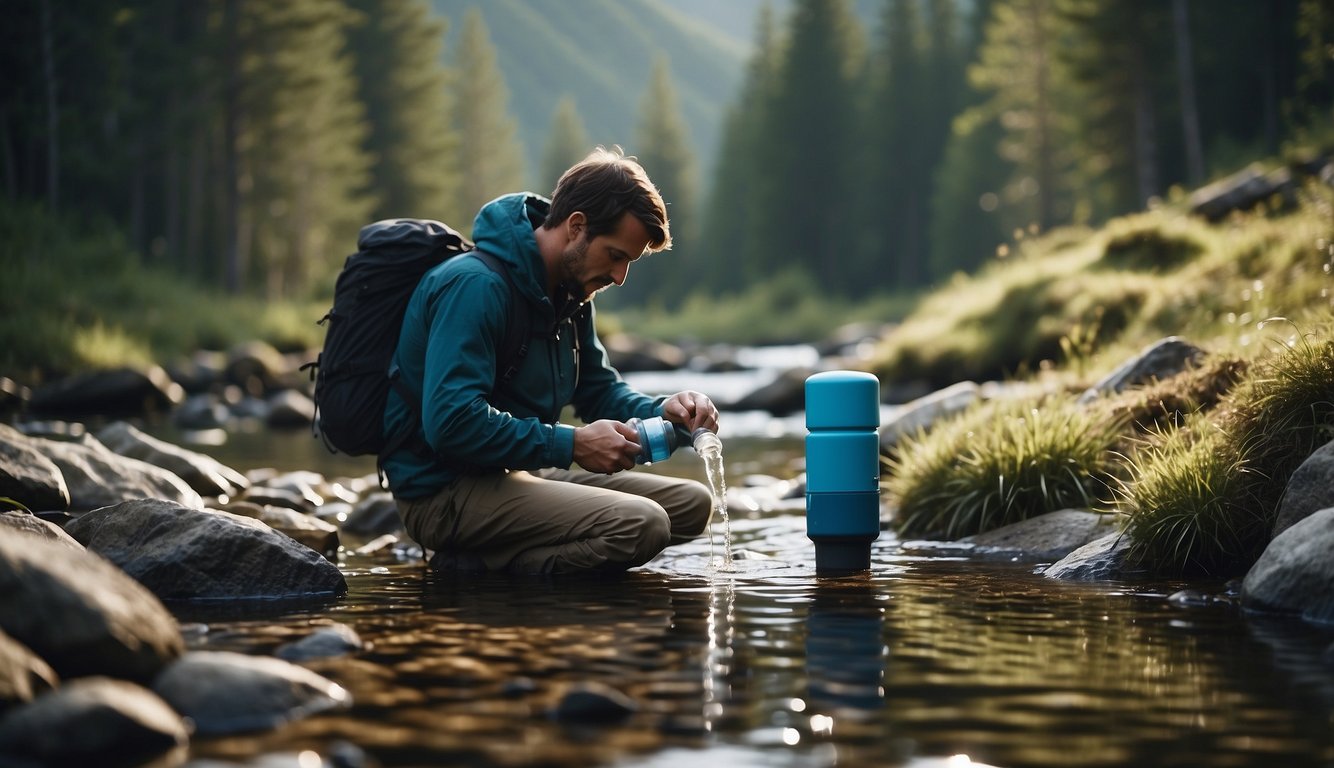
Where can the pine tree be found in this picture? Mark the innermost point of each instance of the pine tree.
(566, 144)
(490, 157)
(402, 81)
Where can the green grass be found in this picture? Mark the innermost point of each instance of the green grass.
(999, 463)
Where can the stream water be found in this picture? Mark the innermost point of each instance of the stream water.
(935, 657)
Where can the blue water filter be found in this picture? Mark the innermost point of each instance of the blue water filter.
(842, 468)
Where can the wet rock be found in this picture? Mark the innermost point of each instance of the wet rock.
(97, 476)
(182, 553)
(81, 614)
(784, 395)
(310, 531)
(1296, 574)
(323, 643)
(1046, 537)
(630, 354)
(1103, 559)
(14, 397)
(96, 721)
(204, 411)
(224, 692)
(265, 496)
(377, 544)
(921, 413)
(310, 486)
(1309, 489)
(119, 392)
(27, 475)
(200, 372)
(256, 367)
(206, 475)
(593, 703)
(375, 515)
(289, 409)
(23, 675)
(1161, 360)
(32, 525)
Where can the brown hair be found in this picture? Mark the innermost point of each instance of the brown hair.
(605, 186)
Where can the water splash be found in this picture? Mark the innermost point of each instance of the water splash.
(710, 449)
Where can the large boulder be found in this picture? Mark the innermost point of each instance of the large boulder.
(921, 413)
(630, 354)
(1161, 360)
(181, 553)
(123, 391)
(81, 614)
(97, 476)
(785, 394)
(224, 692)
(1296, 574)
(1310, 488)
(27, 475)
(29, 524)
(23, 675)
(206, 475)
(1046, 537)
(97, 721)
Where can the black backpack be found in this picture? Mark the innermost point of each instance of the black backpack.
(351, 373)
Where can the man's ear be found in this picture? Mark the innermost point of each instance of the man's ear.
(575, 224)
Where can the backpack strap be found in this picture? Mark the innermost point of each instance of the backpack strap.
(514, 347)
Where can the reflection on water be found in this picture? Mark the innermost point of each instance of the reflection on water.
(928, 656)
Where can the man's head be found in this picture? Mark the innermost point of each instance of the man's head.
(610, 214)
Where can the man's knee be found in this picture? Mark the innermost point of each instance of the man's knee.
(652, 527)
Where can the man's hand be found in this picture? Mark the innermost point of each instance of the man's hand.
(691, 410)
(606, 446)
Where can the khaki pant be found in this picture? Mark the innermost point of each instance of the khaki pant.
(557, 521)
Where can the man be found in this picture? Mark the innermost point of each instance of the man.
(489, 483)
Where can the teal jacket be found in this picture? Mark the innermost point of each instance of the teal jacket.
(452, 331)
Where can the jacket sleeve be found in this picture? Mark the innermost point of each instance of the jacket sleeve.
(602, 393)
(466, 321)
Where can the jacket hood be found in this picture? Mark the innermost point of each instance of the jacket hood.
(504, 228)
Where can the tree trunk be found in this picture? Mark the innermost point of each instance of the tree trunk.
(52, 110)
(1146, 144)
(1190, 117)
(231, 120)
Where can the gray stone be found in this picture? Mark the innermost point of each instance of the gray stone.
(27, 475)
(375, 515)
(1310, 488)
(95, 721)
(1046, 537)
(921, 413)
(593, 703)
(1296, 573)
(1161, 360)
(323, 643)
(290, 408)
(202, 411)
(81, 614)
(97, 476)
(311, 531)
(188, 554)
(784, 395)
(224, 692)
(32, 525)
(23, 675)
(1103, 559)
(256, 367)
(630, 353)
(265, 496)
(123, 391)
(206, 475)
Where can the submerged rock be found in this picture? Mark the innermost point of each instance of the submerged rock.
(1046, 537)
(223, 692)
(1296, 573)
(593, 703)
(95, 721)
(81, 614)
(323, 643)
(188, 554)
(27, 475)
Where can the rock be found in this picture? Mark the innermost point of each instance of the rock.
(206, 475)
(200, 372)
(1241, 191)
(1046, 537)
(1310, 488)
(97, 721)
(630, 354)
(255, 366)
(1296, 574)
(851, 340)
(290, 408)
(921, 413)
(203, 411)
(23, 675)
(27, 475)
(265, 496)
(310, 486)
(310, 531)
(224, 692)
(324, 643)
(97, 477)
(1161, 360)
(14, 397)
(32, 525)
(1103, 559)
(81, 614)
(190, 554)
(119, 392)
(593, 703)
(375, 515)
(784, 395)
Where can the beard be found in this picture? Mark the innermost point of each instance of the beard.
(572, 264)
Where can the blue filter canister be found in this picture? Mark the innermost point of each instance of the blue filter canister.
(842, 468)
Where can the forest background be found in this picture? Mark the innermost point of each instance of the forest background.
(158, 154)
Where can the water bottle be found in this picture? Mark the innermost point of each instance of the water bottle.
(842, 468)
(657, 439)
(706, 444)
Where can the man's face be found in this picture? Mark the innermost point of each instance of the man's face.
(605, 260)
